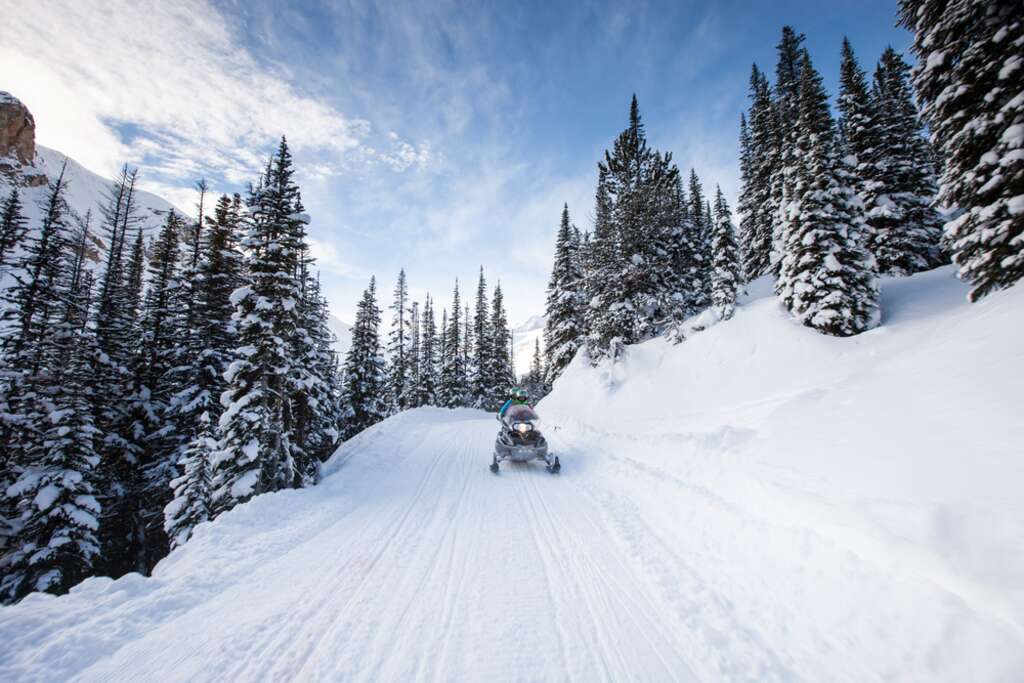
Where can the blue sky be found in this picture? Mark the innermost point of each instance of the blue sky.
(431, 136)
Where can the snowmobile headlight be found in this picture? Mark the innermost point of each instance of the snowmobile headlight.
(523, 427)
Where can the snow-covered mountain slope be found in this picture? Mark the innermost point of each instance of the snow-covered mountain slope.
(86, 190)
(342, 334)
(523, 338)
(757, 503)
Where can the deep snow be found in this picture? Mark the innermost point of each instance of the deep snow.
(757, 503)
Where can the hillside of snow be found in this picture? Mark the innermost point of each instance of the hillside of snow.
(758, 503)
(523, 339)
(86, 191)
(342, 335)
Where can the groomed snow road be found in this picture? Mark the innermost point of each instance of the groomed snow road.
(411, 561)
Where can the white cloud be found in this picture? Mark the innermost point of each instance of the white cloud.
(168, 84)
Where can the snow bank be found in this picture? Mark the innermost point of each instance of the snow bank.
(898, 450)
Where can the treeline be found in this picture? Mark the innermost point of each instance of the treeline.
(466, 362)
(192, 373)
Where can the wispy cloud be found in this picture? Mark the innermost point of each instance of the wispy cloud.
(173, 87)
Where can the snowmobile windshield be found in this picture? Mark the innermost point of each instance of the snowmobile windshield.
(520, 413)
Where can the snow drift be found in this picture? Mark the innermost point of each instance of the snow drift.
(758, 503)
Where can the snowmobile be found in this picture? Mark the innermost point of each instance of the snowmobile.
(519, 440)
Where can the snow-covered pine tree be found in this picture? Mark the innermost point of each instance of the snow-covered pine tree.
(414, 356)
(969, 78)
(13, 226)
(757, 214)
(451, 392)
(363, 395)
(564, 331)
(701, 221)
(468, 353)
(323, 387)
(784, 161)
(426, 389)
(117, 310)
(501, 374)
(905, 230)
(726, 273)
(218, 274)
(482, 350)
(162, 332)
(827, 277)
(640, 183)
(604, 330)
(398, 361)
(257, 422)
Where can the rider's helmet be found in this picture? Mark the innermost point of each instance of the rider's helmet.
(520, 395)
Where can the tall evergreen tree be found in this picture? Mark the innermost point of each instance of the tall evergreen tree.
(218, 274)
(162, 332)
(639, 294)
(827, 277)
(501, 374)
(726, 272)
(426, 389)
(398, 361)
(414, 356)
(364, 368)
(785, 114)
(604, 331)
(969, 72)
(564, 330)
(451, 391)
(757, 213)
(13, 226)
(482, 351)
(905, 230)
(257, 424)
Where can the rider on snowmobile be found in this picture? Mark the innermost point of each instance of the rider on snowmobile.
(517, 397)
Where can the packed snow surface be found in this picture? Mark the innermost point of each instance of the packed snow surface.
(758, 503)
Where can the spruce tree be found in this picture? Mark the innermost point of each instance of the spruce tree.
(726, 273)
(197, 404)
(501, 374)
(116, 323)
(905, 230)
(564, 330)
(163, 329)
(426, 389)
(757, 213)
(257, 424)
(13, 226)
(398, 362)
(827, 277)
(784, 161)
(638, 182)
(451, 391)
(414, 377)
(364, 368)
(701, 221)
(604, 330)
(482, 351)
(969, 72)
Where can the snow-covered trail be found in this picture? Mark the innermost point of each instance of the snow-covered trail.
(415, 563)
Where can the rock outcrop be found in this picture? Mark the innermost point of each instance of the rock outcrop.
(18, 141)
